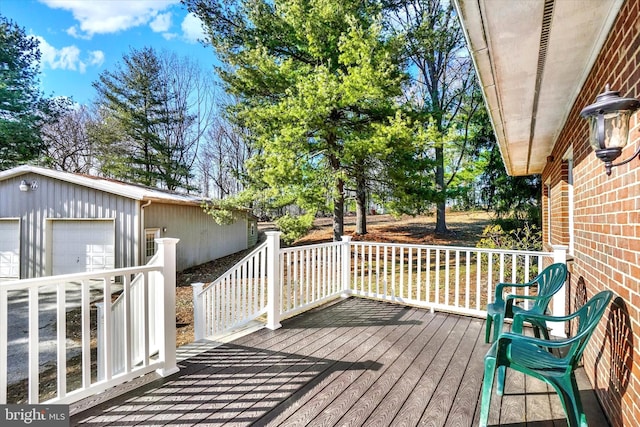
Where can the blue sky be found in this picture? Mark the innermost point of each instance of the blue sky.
(81, 38)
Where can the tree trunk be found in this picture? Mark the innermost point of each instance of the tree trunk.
(441, 223)
(338, 200)
(338, 211)
(361, 204)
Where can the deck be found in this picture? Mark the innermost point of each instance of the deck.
(356, 362)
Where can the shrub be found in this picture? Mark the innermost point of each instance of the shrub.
(294, 227)
(527, 237)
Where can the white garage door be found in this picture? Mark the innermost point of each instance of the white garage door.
(9, 249)
(81, 245)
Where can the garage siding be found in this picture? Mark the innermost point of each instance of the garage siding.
(201, 239)
(59, 199)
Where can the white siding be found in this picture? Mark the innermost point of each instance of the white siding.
(201, 239)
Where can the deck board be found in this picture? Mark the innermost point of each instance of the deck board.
(440, 405)
(349, 386)
(466, 396)
(411, 411)
(390, 404)
(353, 363)
(381, 388)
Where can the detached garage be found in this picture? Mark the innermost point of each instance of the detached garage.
(54, 222)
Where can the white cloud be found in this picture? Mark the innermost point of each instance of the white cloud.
(73, 32)
(47, 52)
(109, 17)
(169, 36)
(96, 57)
(161, 23)
(68, 57)
(192, 28)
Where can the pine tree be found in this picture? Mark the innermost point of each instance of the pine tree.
(135, 105)
(21, 102)
(315, 82)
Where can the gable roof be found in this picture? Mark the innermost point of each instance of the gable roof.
(131, 191)
(532, 59)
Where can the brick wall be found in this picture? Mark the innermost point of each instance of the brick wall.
(606, 225)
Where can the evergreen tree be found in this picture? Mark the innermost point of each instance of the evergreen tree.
(315, 82)
(21, 103)
(136, 112)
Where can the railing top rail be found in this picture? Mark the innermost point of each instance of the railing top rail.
(258, 248)
(76, 277)
(231, 270)
(416, 246)
(303, 247)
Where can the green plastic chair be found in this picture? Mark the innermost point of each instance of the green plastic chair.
(548, 282)
(531, 356)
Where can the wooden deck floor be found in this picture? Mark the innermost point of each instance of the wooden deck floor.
(357, 362)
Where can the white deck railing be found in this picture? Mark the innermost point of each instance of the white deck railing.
(140, 307)
(448, 278)
(235, 298)
(45, 301)
(310, 275)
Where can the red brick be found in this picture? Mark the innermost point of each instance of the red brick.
(606, 208)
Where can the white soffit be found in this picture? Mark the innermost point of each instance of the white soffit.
(530, 78)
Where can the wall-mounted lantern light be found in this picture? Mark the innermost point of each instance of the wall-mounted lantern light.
(609, 126)
(26, 186)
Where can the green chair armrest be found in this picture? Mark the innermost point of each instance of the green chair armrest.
(541, 342)
(545, 317)
(519, 318)
(511, 298)
(516, 296)
(499, 290)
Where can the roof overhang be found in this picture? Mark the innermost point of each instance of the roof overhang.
(532, 58)
(119, 188)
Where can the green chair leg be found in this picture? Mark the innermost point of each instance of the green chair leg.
(487, 329)
(487, 385)
(494, 321)
(569, 395)
(498, 321)
(502, 374)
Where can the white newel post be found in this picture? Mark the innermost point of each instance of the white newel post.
(167, 300)
(559, 299)
(346, 266)
(273, 280)
(198, 312)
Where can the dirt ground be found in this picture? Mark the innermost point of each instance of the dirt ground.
(465, 229)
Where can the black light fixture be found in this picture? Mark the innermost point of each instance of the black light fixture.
(609, 126)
